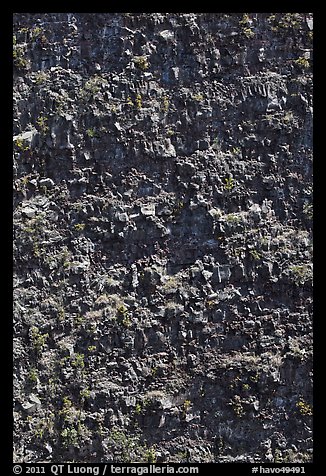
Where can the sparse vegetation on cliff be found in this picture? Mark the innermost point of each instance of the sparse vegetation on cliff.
(162, 169)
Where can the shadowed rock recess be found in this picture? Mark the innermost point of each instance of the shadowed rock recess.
(162, 237)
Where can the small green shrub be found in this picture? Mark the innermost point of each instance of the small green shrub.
(60, 103)
(290, 20)
(199, 97)
(245, 26)
(124, 444)
(80, 320)
(229, 184)
(255, 255)
(165, 104)
(79, 226)
(302, 62)
(33, 375)
(308, 210)
(92, 87)
(36, 32)
(61, 312)
(123, 315)
(284, 21)
(85, 393)
(300, 273)
(23, 30)
(19, 58)
(248, 33)
(181, 456)
(42, 125)
(141, 62)
(237, 406)
(244, 20)
(215, 144)
(150, 455)
(304, 408)
(21, 144)
(171, 284)
(78, 361)
(122, 310)
(232, 218)
(185, 407)
(25, 180)
(44, 427)
(38, 339)
(66, 410)
(91, 132)
(138, 101)
(138, 409)
(69, 437)
(177, 208)
(40, 77)
(37, 250)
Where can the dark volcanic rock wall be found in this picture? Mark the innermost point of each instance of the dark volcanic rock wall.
(162, 237)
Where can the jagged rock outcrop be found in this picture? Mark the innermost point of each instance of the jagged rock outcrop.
(163, 237)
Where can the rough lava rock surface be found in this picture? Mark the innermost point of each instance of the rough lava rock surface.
(163, 237)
